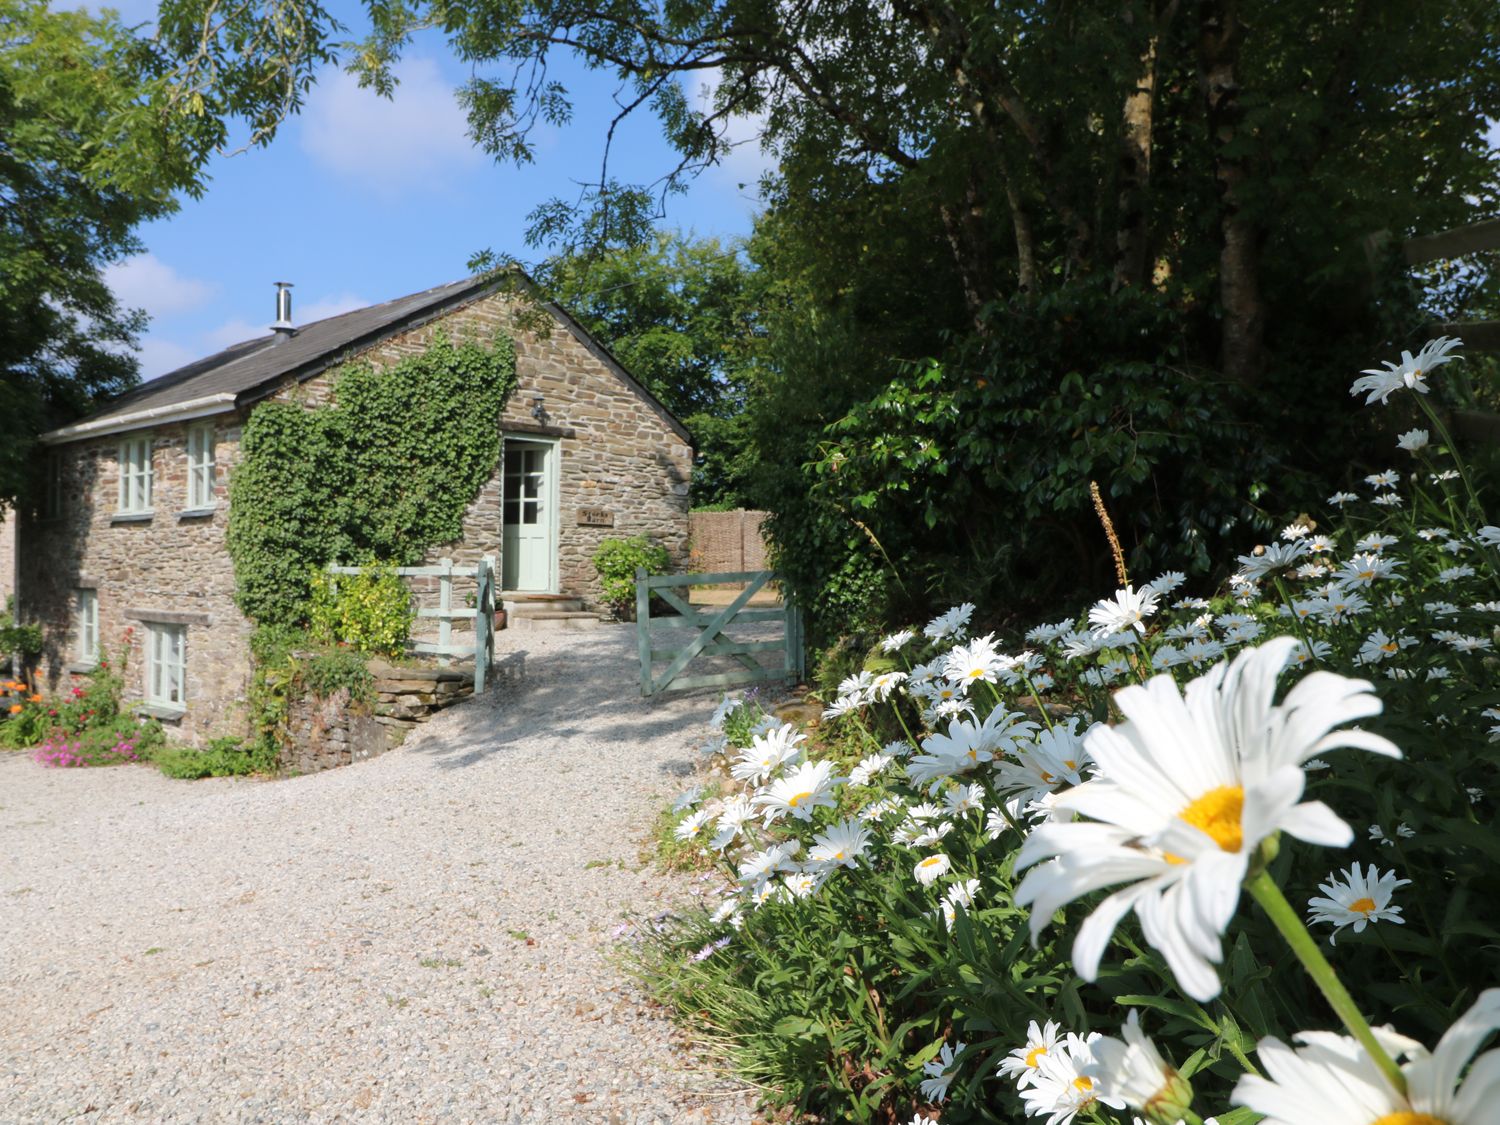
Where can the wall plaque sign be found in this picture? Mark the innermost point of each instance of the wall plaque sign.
(596, 517)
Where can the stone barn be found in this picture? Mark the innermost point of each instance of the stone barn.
(129, 536)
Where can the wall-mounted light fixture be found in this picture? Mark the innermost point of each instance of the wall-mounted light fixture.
(537, 410)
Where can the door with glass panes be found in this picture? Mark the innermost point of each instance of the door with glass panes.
(527, 518)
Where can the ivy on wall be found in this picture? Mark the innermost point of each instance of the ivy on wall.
(382, 473)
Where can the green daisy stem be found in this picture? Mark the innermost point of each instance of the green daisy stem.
(1463, 469)
(1263, 889)
(1040, 706)
(1301, 625)
(900, 718)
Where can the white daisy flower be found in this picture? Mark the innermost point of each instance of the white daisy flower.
(1366, 570)
(1321, 545)
(1332, 1080)
(687, 798)
(799, 884)
(940, 1073)
(1046, 634)
(767, 753)
(932, 868)
(1129, 610)
(1375, 543)
(808, 787)
(954, 623)
(897, 641)
(1063, 1088)
(1388, 500)
(1411, 372)
(1340, 499)
(879, 810)
(1166, 583)
(1186, 790)
(727, 706)
(963, 799)
(1446, 474)
(1454, 573)
(691, 826)
(931, 834)
(760, 866)
(1269, 560)
(1413, 441)
(1133, 1071)
(1296, 530)
(977, 660)
(1387, 479)
(1356, 898)
(1319, 652)
(1489, 535)
(869, 768)
(1379, 645)
(1021, 1063)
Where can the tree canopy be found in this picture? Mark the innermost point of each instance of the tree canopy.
(101, 129)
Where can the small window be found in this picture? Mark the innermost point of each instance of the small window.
(166, 666)
(87, 626)
(135, 474)
(200, 467)
(52, 497)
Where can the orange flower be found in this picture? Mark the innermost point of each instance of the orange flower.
(15, 708)
(34, 698)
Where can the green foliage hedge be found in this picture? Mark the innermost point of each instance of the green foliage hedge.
(383, 472)
(371, 611)
(616, 561)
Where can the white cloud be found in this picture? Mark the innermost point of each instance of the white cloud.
(232, 331)
(748, 159)
(146, 282)
(158, 356)
(328, 306)
(417, 139)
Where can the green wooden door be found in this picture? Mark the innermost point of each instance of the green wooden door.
(527, 517)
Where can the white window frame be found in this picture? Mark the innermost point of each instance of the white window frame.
(135, 475)
(200, 467)
(166, 666)
(86, 622)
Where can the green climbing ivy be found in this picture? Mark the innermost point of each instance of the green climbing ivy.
(381, 473)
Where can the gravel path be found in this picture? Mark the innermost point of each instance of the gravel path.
(421, 937)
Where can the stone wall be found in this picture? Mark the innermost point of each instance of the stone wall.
(323, 734)
(619, 451)
(166, 567)
(7, 556)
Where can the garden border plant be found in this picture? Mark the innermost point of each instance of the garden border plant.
(888, 939)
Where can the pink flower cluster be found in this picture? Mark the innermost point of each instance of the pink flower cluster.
(58, 753)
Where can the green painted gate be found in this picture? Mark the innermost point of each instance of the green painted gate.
(703, 629)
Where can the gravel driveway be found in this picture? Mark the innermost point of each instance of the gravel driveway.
(421, 937)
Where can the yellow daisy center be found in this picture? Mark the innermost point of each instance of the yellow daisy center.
(1217, 815)
(797, 798)
(839, 854)
(1408, 1117)
(1364, 906)
(931, 861)
(1034, 1054)
(976, 673)
(1083, 1082)
(1367, 575)
(1047, 777)
(1070, 763)
(1391, 647)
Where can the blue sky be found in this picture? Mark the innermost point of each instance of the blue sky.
(360, 199)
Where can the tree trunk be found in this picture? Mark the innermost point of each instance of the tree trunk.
(1025, 241)
(1132, 229)
(1219, 37)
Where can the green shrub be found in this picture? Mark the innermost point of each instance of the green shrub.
(616, 561)
(223, 757)
(384, 471)
(370, 611)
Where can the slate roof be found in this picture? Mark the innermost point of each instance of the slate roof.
(253, 368)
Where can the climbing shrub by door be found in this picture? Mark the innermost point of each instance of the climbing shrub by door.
(383, 472)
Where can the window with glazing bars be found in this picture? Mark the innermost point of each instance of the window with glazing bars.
(200, 465)
(166, 666)
(135, 474)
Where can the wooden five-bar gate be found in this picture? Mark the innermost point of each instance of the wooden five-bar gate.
(709, 639)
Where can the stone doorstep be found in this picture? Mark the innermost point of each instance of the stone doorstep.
(569, 621)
